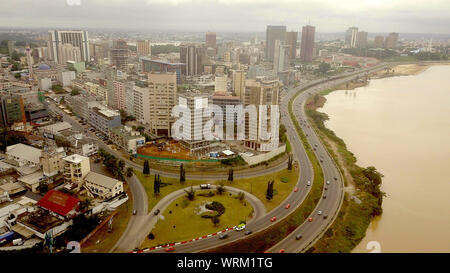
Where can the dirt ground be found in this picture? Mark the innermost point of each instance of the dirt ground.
(172, 149)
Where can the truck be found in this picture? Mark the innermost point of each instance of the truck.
(6, 237)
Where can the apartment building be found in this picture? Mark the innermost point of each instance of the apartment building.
(75, 169)
(103, 118)
(126, 138)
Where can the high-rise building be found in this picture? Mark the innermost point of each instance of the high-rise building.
(220, 83)
(307, 43)
(291, 41)
(162, 94)
(239, 83)
(11, 46)
(361, 41)
(29, 61)
(151, 65)
(68, 52)
(192, 57)
(351, 37)
(391, 40)
(123, 92)
(143, 48)
(274, 33)
(119, 55)
(192, 128)
(76, 38)
(261, 93)
(281, 57)
(210, 40)
(12, 110)
(379, 41)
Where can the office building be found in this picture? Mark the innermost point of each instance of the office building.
(307, 43)
(143, 48)
(123, 92)
(153, 65)
(281, 57)
(351, 37)
(210, 40)
(76, 38)
(220, 83)
(239, 77)
(68, 52)
(391, 40)
(192, 57)
(274, 33)
(103, 118)
(12, 110)
(291, 42)
(119, 55)
(379, 41)
(162, 94)
(361, 41)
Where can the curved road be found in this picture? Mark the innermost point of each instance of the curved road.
(143, 223)
(330, 205)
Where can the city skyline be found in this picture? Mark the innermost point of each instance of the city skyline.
(227, 15)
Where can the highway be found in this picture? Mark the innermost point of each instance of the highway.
(330, 205)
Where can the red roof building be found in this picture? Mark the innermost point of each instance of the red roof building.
(58, 202)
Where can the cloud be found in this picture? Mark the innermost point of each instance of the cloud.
(231, 15)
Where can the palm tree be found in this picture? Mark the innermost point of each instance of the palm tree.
(129, 172)
(220, 189)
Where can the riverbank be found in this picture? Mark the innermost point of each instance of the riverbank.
(363, 197)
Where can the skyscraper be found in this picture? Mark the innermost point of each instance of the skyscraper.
(351, 37)
(361, 41)
(210, 40)
(291, 41)
(192, 57)
(281, 57)
(391, 40)
(239, 83)
(143, 48)
(76, 38)
(68, 52)
(307, 43)
(29, 61)
(274, 33)
(119, 55)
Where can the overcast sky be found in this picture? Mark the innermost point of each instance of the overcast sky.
(417, 16)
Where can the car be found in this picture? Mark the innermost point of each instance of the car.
(205, 186)
(335, 178)
(223, 236)
(273, 219)
(170, 248)
(324, 197)
(295, 189)
(281, 250)
(308, 183)
(156, 212)
(328, 182)
(310, 219)
(298, 237)
(248, 232)
(321, 161)
(325, 216)
(319, 212)
(287, 206)
(240, 227)
(314, 148)
(316, 145)
(325, 188)
(134, 212)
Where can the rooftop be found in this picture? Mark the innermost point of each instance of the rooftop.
(75, 158)
(58, 202)
(25, 152)
(102, 180)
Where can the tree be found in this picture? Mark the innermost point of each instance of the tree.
(220, 189)
(84, 205)
(121, 164)
(215, 220)
(75, 91)
(230, 175)
(129, 172)
(182, 174)
(324, 67)
(156, 184)
(241, 196)
(190, 194)
(269, 193)
(146, 170)
(290, 161)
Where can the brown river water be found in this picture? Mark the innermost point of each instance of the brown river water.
(401, 125)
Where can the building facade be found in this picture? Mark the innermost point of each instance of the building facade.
(307, 43)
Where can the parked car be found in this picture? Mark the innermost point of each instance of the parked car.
(298, 237)
(205, 186)
(156, 212)
(223, 236)
(287, 206)
(170, 248)
(240, 227)
(310, 219)
(273, 219)
(248, 232)
(328, 182)
(134, 212)
(308, 183)
(295, 189)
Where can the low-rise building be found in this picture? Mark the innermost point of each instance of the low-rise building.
(103, 118)
(126, 138)
(23, 155)
(100, 186)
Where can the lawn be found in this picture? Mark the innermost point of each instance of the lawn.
(181, 220)
(285, 181)
(255, 185)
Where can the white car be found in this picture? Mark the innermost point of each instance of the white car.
(319, 212)
(205, 186)
(328, 182)
(240, 227)
(308, 183)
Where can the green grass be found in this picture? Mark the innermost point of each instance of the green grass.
(173, 185)
(183, 223)
(255, 185)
